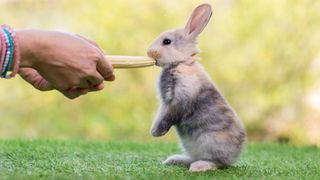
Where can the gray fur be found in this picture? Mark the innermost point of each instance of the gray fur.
(208, 114)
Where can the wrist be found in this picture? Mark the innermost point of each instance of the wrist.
(27, 42)
(10, 49)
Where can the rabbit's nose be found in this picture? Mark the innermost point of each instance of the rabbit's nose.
(154, 54)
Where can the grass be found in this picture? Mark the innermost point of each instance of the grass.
(23, 159)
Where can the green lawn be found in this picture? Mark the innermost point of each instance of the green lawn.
(21, 159)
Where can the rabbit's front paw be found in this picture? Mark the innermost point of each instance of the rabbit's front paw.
(157, 132)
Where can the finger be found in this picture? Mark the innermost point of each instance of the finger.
(105, 69)
(89, 80)
(70, 95)
(35, 79)
(94, 79)
(104, 66)
(74, 92)
(111, 78)
(83, 91)
(97, 87)
(85, 83)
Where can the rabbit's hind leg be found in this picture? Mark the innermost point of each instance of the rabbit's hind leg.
(178, 159)
(201, 166)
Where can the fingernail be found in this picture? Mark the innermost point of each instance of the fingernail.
(111, 78)
(99, 86)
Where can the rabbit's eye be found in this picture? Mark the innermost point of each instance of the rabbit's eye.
(166, 41)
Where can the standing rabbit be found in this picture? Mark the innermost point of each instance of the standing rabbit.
(211, 134)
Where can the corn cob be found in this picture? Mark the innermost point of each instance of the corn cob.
(122, 62)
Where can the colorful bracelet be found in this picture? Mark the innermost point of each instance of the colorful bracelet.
(3, 48)
(9, 55)
(7, 50)
(10, 50)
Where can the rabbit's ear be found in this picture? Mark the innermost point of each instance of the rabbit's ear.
(198, 20)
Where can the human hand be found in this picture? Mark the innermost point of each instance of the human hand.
(69, 63)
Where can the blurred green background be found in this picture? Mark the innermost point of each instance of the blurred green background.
(264, 56)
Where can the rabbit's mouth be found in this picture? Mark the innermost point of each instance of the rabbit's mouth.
(160, 63)
(154, 54)
(157, 62)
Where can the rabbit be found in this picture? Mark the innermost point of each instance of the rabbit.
(211, 134)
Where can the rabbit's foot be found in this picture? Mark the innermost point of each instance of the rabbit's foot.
(178, 160)
(201, 166)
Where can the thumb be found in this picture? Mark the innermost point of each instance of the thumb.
(35, 79)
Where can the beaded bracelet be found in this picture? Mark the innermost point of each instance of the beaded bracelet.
(9, 55)
(6, 51)
(3, 48)
(10, 51)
